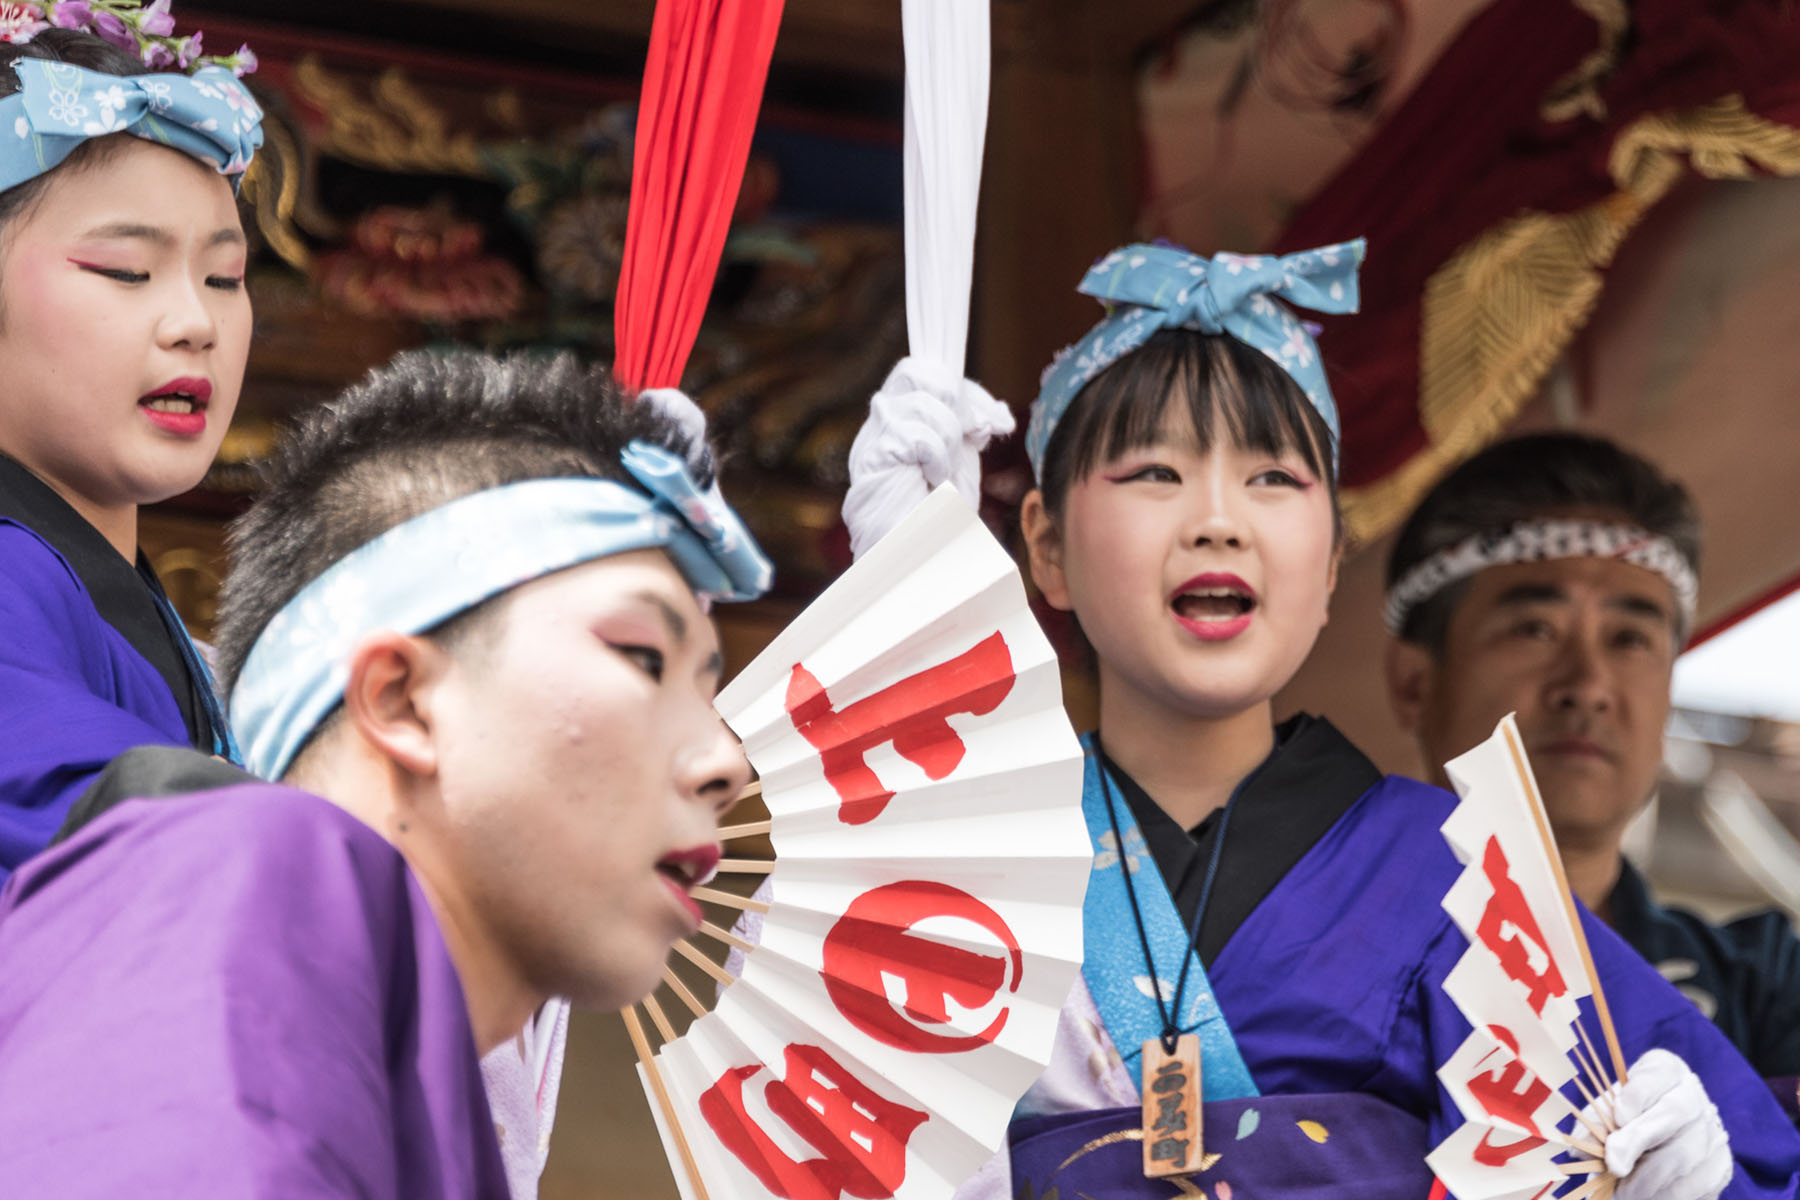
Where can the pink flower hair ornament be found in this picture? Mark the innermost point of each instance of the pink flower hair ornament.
(146, 30)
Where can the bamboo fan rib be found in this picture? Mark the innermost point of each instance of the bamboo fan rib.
(922, 926)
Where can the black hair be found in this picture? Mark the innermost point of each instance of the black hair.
(81, 49)
(1221, 379)
(1528, 478)
(426, 429)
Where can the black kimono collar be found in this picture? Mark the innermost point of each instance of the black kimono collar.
(1310, 779)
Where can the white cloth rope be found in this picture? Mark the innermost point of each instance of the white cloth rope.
(946, 128)
(928, 424)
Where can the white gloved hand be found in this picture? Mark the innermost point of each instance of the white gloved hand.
(1670, 1143)
(676, 406)
(926, 425)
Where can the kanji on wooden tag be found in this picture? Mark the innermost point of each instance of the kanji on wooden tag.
(1172, 1108)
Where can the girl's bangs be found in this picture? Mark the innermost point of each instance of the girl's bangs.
(1231, 391)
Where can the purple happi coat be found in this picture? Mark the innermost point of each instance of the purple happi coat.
(89, 664)
(241, 992)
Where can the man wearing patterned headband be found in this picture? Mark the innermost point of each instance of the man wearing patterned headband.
(470, 611)
(1554, 576)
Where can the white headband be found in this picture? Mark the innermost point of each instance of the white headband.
(1540, 541)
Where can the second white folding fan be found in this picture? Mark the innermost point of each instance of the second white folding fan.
(924, 929)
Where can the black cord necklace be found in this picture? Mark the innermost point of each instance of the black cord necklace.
(1170, 1013)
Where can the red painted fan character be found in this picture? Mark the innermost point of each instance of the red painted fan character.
(876, 941)
(860, 1135)
(912, 714)
(1510, 931)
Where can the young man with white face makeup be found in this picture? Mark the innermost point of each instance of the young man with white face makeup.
(467, 631)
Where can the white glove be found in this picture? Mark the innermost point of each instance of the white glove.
(926, 425)
(677, 407)
(1670, 1143)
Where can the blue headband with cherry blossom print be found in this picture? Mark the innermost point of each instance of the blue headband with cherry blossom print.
(208, 115)
(1150, 288)
(425, 571)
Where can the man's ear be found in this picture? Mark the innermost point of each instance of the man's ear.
(1411, 677)
(389, 697)
(1044, 547)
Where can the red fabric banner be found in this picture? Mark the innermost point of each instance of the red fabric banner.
(1472, 148)
(703, 85)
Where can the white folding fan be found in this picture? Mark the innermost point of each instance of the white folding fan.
(1520, 984)
(924, 791)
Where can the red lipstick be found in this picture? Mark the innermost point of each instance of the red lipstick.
(685, 870)
(1214, 606)
(179, 406)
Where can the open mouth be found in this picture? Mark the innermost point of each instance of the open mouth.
(1214, 607)
(1213, 604)
(688, 869)
(180, 397)
(175, 403)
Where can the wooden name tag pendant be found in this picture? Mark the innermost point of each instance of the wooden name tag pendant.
(1172, 1108)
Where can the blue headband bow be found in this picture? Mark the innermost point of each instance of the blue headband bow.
(1150, 288)
(424, 571)
(208, 115)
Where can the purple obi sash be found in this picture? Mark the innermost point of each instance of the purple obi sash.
(1342, 1146)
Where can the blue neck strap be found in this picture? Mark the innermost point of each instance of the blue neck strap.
(1118, 978)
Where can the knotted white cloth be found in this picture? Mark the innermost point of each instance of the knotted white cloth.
(1670, 1144)
(927, 425)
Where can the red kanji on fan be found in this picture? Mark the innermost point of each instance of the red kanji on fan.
(912, 714)
(1511, 932)
(1498, 1089)
(873, 943)
(861, 1136)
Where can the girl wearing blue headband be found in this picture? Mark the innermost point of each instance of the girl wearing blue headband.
(1260, 886)
(124, 328)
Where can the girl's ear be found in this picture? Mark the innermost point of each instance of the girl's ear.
(1044, 547)
(389, 698)
(1331, 577)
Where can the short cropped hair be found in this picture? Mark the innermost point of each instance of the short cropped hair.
(424, 430)
(1230, 390)
(1526, 478)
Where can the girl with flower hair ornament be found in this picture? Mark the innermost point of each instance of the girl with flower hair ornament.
(1261, 888)
(124, 329)
(118, 220)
